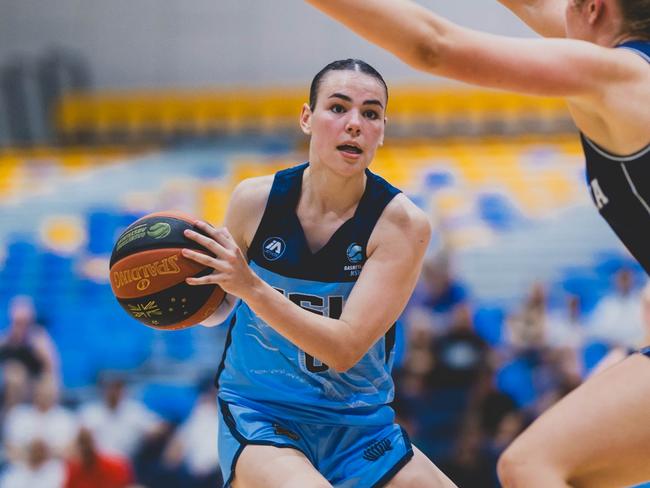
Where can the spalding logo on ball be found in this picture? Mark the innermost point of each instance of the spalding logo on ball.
(148, 271)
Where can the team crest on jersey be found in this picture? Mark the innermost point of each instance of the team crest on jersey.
(273, 248)
(355, 253)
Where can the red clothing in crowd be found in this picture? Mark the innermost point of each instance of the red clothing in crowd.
(106, 472)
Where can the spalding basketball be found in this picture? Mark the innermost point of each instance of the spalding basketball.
(148, 271)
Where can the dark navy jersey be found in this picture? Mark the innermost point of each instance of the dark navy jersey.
(263, 369)
(620, 185)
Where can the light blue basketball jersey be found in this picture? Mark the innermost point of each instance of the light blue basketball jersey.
(261, 368)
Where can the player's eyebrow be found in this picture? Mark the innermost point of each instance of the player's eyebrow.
(348, 99)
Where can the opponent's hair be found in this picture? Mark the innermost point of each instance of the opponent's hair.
(344, 65)
(636, 17)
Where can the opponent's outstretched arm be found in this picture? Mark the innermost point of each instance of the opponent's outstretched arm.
(546, 17)
(429, 42)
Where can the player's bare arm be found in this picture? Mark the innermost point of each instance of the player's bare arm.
(429, 42)
(395, 252)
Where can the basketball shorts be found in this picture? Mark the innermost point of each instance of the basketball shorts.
(346, 456)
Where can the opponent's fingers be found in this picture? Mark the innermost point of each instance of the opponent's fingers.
(207, 242)
(203, 259)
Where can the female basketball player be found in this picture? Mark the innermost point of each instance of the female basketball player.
(324, 257)
(599, 434)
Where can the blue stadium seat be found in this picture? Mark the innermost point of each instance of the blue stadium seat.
(488, 323)
(516, 379)
(592, 353)
(172, 402)
(498, 212)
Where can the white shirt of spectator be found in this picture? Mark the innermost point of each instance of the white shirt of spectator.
(56, 427)
(617, 320)
(121, 430)
(50, 474)
(198, 436)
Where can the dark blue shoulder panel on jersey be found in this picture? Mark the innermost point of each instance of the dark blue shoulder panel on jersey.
(643, 47)
(280, 245)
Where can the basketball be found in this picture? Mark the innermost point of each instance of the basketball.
(148, 271)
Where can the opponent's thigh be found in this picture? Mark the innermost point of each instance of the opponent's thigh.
(275, 467)
(420, 472)
(597, 436)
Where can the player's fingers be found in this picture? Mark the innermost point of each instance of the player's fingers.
(207, 242)
(203, 259)
(211, 279)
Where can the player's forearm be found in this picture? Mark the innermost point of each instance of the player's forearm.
(546, 17)
(328, 340)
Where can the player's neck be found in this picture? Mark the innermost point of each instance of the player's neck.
(323, 191)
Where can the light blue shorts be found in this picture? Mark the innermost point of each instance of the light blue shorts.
(347, 456)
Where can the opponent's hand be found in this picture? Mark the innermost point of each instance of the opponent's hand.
(231, 270)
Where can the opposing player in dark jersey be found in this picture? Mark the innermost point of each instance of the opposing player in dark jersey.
(324, 257)
(599, 434)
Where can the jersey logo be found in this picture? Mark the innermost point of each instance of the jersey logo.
(377, 450)
(283, 431)
(273, 248)
(599, 196)
(355, 253)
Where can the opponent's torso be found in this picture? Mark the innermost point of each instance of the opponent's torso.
(620, 187)
(263, 368)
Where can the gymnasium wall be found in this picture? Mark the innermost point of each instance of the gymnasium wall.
(163, 43)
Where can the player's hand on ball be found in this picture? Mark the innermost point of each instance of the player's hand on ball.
(231, 270)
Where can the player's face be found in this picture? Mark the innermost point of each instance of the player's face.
(347, 124)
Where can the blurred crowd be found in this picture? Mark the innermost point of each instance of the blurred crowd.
(111, 440)
(463, 392)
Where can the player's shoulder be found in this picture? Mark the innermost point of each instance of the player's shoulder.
(253, 191)
(403, 214)
(246, 208)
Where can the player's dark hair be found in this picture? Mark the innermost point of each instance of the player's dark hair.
(636, 17)
(344, 65)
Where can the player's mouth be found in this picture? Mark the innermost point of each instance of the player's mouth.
(350, 150)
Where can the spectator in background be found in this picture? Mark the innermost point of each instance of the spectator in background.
(619, 353)
(193, 446)
(617, 317)
(90, 468)
(27, 342)
(439, 294)
(26, 352)
(118, 424)
(564, 327)
(38, 470)
(460, 354)
(44, 420)
(527, 327)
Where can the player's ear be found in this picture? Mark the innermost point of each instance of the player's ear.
(305, 119)
(595, 9)
(381, 141)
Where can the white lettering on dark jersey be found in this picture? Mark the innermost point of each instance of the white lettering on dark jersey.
(599, 196)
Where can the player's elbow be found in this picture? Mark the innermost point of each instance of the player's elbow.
(347, 356)
(428, 47)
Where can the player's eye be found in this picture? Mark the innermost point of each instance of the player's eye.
(371, 114)
(337, 108)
